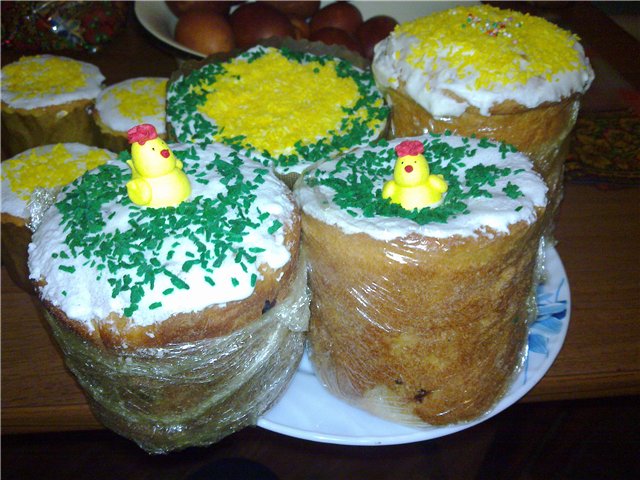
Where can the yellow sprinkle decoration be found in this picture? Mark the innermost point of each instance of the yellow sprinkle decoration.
(237, 103)
(31, 77)
(494, 46)
(143, 98)
(54, 168)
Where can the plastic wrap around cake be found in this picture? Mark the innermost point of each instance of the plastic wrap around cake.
(423, 262)
(173, 281)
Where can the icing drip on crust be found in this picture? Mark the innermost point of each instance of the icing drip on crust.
(43, 80)
(132, 102)
(481, 56)
(289, 109)
(99, 253)
(491, 186)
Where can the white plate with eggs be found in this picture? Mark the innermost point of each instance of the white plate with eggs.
(158, 20)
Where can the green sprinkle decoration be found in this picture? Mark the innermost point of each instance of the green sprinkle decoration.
(355, 179)
(275, 226)
(188, 92)
(140, 255)
(512, 191)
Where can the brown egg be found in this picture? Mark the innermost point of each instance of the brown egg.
(372, 31)
(335, 36)
(303, 9)
(255, 21)
(342, 15)
(205, 32)
(300, 26)
(180, 7)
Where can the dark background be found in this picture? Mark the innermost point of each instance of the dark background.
(587, 439)
(582, 439)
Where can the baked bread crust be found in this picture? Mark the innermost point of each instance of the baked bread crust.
(113, 136)
(117, 331)
(541, 133)
(16, 237)
(192, 394)
(183, 379)
(109, 138)
(420, 330)
(52, 168)
(112, 139)
(69, 122)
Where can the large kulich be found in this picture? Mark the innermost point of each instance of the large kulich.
(287, 106)
(182, 323)
(496, 73)
(420, 315)
(47, 99)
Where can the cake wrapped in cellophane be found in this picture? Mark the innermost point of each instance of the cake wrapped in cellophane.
(423, 258)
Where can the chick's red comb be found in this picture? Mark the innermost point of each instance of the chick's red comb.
(141, 133)
(409, 147)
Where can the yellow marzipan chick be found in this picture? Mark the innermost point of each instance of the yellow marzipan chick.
(413, 186)
(157, 179)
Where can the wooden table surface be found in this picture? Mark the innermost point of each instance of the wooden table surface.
(598, 237)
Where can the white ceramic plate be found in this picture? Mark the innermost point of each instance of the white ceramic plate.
(158, 20)
(308, 411)
(156, 17)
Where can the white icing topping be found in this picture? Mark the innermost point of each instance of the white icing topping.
(497, 212)
(432, 84)
(364, 116)
(13, 201)
(86, 294)
(16, 98)
(118, 117)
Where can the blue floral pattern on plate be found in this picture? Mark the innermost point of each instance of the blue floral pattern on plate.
(553, 308)
(552, 312)
(309, 412)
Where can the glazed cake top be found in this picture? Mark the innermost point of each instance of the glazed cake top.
(43, 80)
(490, 186)
(47, 167)
(132, 102)
(99, 253)
(480, 56)
(288, 108)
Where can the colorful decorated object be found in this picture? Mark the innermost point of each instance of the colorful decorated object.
(412, 185)
(258, 101)
(157, 179)
(55, 26)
